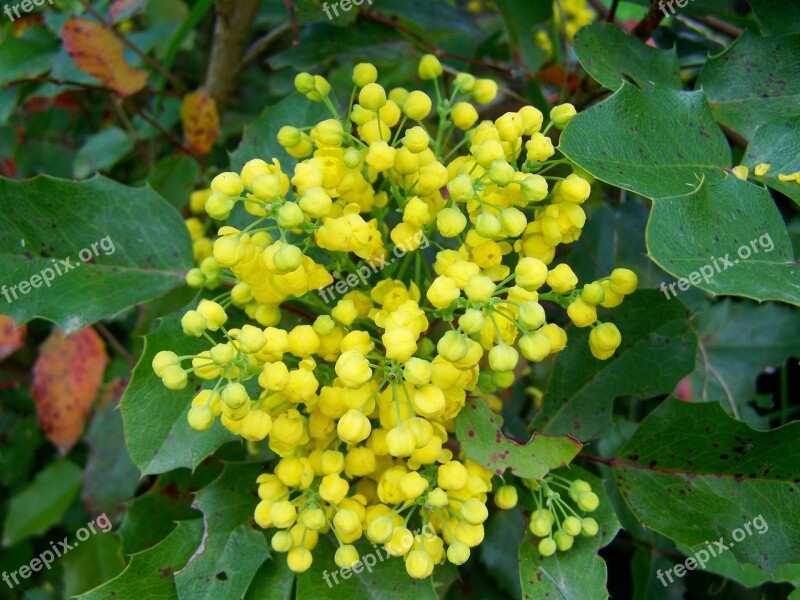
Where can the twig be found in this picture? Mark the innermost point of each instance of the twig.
(644, 29)
(612, 13)
(264, 42)
(144, 56)
(109, 337)
(722, 26)
(371, 16)
(292, 19)
(167, 134)
(231, 29)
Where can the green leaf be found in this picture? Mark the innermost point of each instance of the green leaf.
(158, 436)
(738, 340)
(720, 476)
(657, 351)
(274, 580)
(110, 477)
(504, 529)
(777, 144)
(174, 178)
(42, 504)
(150, 517)
(777, 17)
(520, 17)
(141, 249)
(150, 573)
(729, 220)
(27, 56)
(232, 551)
(579, 573)
(101, 151)
(659, 144)
(92, 563)
(480, 432)
(380, 576)
(430, 17)
(612, 57)
(260, 136)
(755, 80)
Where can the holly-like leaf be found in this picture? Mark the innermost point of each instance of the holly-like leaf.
(754, 81)
(658, 144)
(720, 476)
(777, 144)
(777, 17)
(150, 574)
(657, 350)
(200, 121)
(260, 138)
(694, 237)
(274, 580)
(100, 54)
(12, 338)
(43, 503)
(579, 573)
(75, 253)
(612, 57)
(232, 549)
(158, 436)
(479, 431)
(92, 563)
(110, 477)
(738, 340)
(66, 378)
(174, 178)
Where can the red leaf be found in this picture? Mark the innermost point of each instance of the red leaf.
(11, 338)
(66, 378)
(99, 53)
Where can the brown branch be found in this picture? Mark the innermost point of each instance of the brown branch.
(722, 26)
(144, 56)
(167, 134)
(293, 19)
(231, 29)
(114, 343)
(371, 16)
(612, 13)
(263, 43)
(644, 29)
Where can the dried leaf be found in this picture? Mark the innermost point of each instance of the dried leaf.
(11, 337)
(66, 378)
(200, 121)
(99, 53)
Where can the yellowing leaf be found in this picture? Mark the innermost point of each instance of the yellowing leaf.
(200, 121)
(99, 53)
(66, 378)
(11, 337)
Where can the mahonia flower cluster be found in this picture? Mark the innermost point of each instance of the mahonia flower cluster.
(359, 397)
(555, 521)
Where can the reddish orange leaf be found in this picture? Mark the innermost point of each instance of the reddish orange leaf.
(66, 378)
(99, 53)
(200, 121)
(11, 338)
